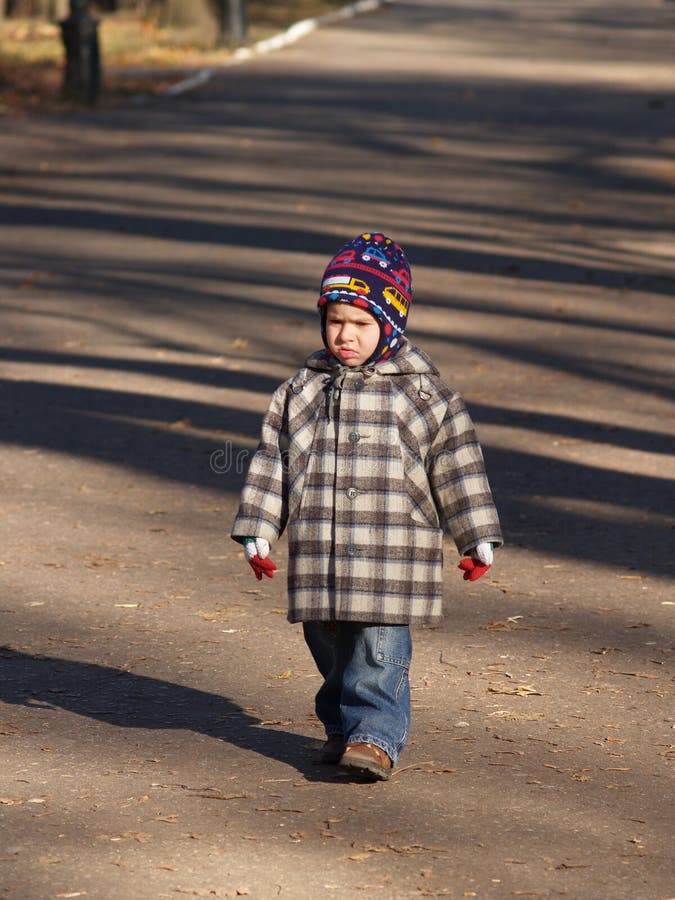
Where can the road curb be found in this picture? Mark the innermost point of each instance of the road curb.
(292, 34)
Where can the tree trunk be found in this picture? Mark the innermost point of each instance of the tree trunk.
(237, 31)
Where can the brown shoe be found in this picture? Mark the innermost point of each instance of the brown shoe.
(367, 760)
(332, 750)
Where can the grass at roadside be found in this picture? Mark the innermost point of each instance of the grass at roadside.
(138, 57)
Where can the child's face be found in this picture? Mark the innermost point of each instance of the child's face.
(352, 334)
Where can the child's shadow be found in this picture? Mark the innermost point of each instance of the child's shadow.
(127, 700)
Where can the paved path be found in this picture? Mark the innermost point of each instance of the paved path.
(159, 269)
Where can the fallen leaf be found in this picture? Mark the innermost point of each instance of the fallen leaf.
(281, 809)
(510, 624)
(243, 795)
(516, 716)
(634, 674)
(138, 836)
(415, 849)
(220, 615)
(518, 690)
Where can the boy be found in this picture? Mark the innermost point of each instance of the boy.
(366, 456)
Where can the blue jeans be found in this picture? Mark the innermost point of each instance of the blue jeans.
(365, 694)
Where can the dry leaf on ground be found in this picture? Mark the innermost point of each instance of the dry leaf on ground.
(518, 690)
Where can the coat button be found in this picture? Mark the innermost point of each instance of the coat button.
(352, 493)
(352, 550)
(354, 437)
(358, 384)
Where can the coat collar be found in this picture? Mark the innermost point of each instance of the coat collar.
(409, 360)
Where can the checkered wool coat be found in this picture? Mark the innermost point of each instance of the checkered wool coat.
(367, 468)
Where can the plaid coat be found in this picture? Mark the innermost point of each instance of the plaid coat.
(367, 468)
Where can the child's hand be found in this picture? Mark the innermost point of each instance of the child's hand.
(256, 551)
(478, 563)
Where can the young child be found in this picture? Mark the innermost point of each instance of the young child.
(366, 457)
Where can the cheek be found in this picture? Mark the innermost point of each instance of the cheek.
(373, 337)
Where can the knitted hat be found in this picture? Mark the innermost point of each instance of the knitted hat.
(372, 273)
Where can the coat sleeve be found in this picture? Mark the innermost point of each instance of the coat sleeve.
(263, 505)
(459, 483)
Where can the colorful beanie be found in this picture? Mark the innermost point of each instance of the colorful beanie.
(371, 272)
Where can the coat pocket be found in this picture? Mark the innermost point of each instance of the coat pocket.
(296, 483)
(418, 491)
(313, 475)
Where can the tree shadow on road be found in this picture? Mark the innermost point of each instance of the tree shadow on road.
(127, 700)
(582, 510)
(533, 179)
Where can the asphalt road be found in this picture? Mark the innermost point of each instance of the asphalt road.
(159, 267)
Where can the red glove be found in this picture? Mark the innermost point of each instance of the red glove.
(262, 567)
(473, 569)
(256, 551)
